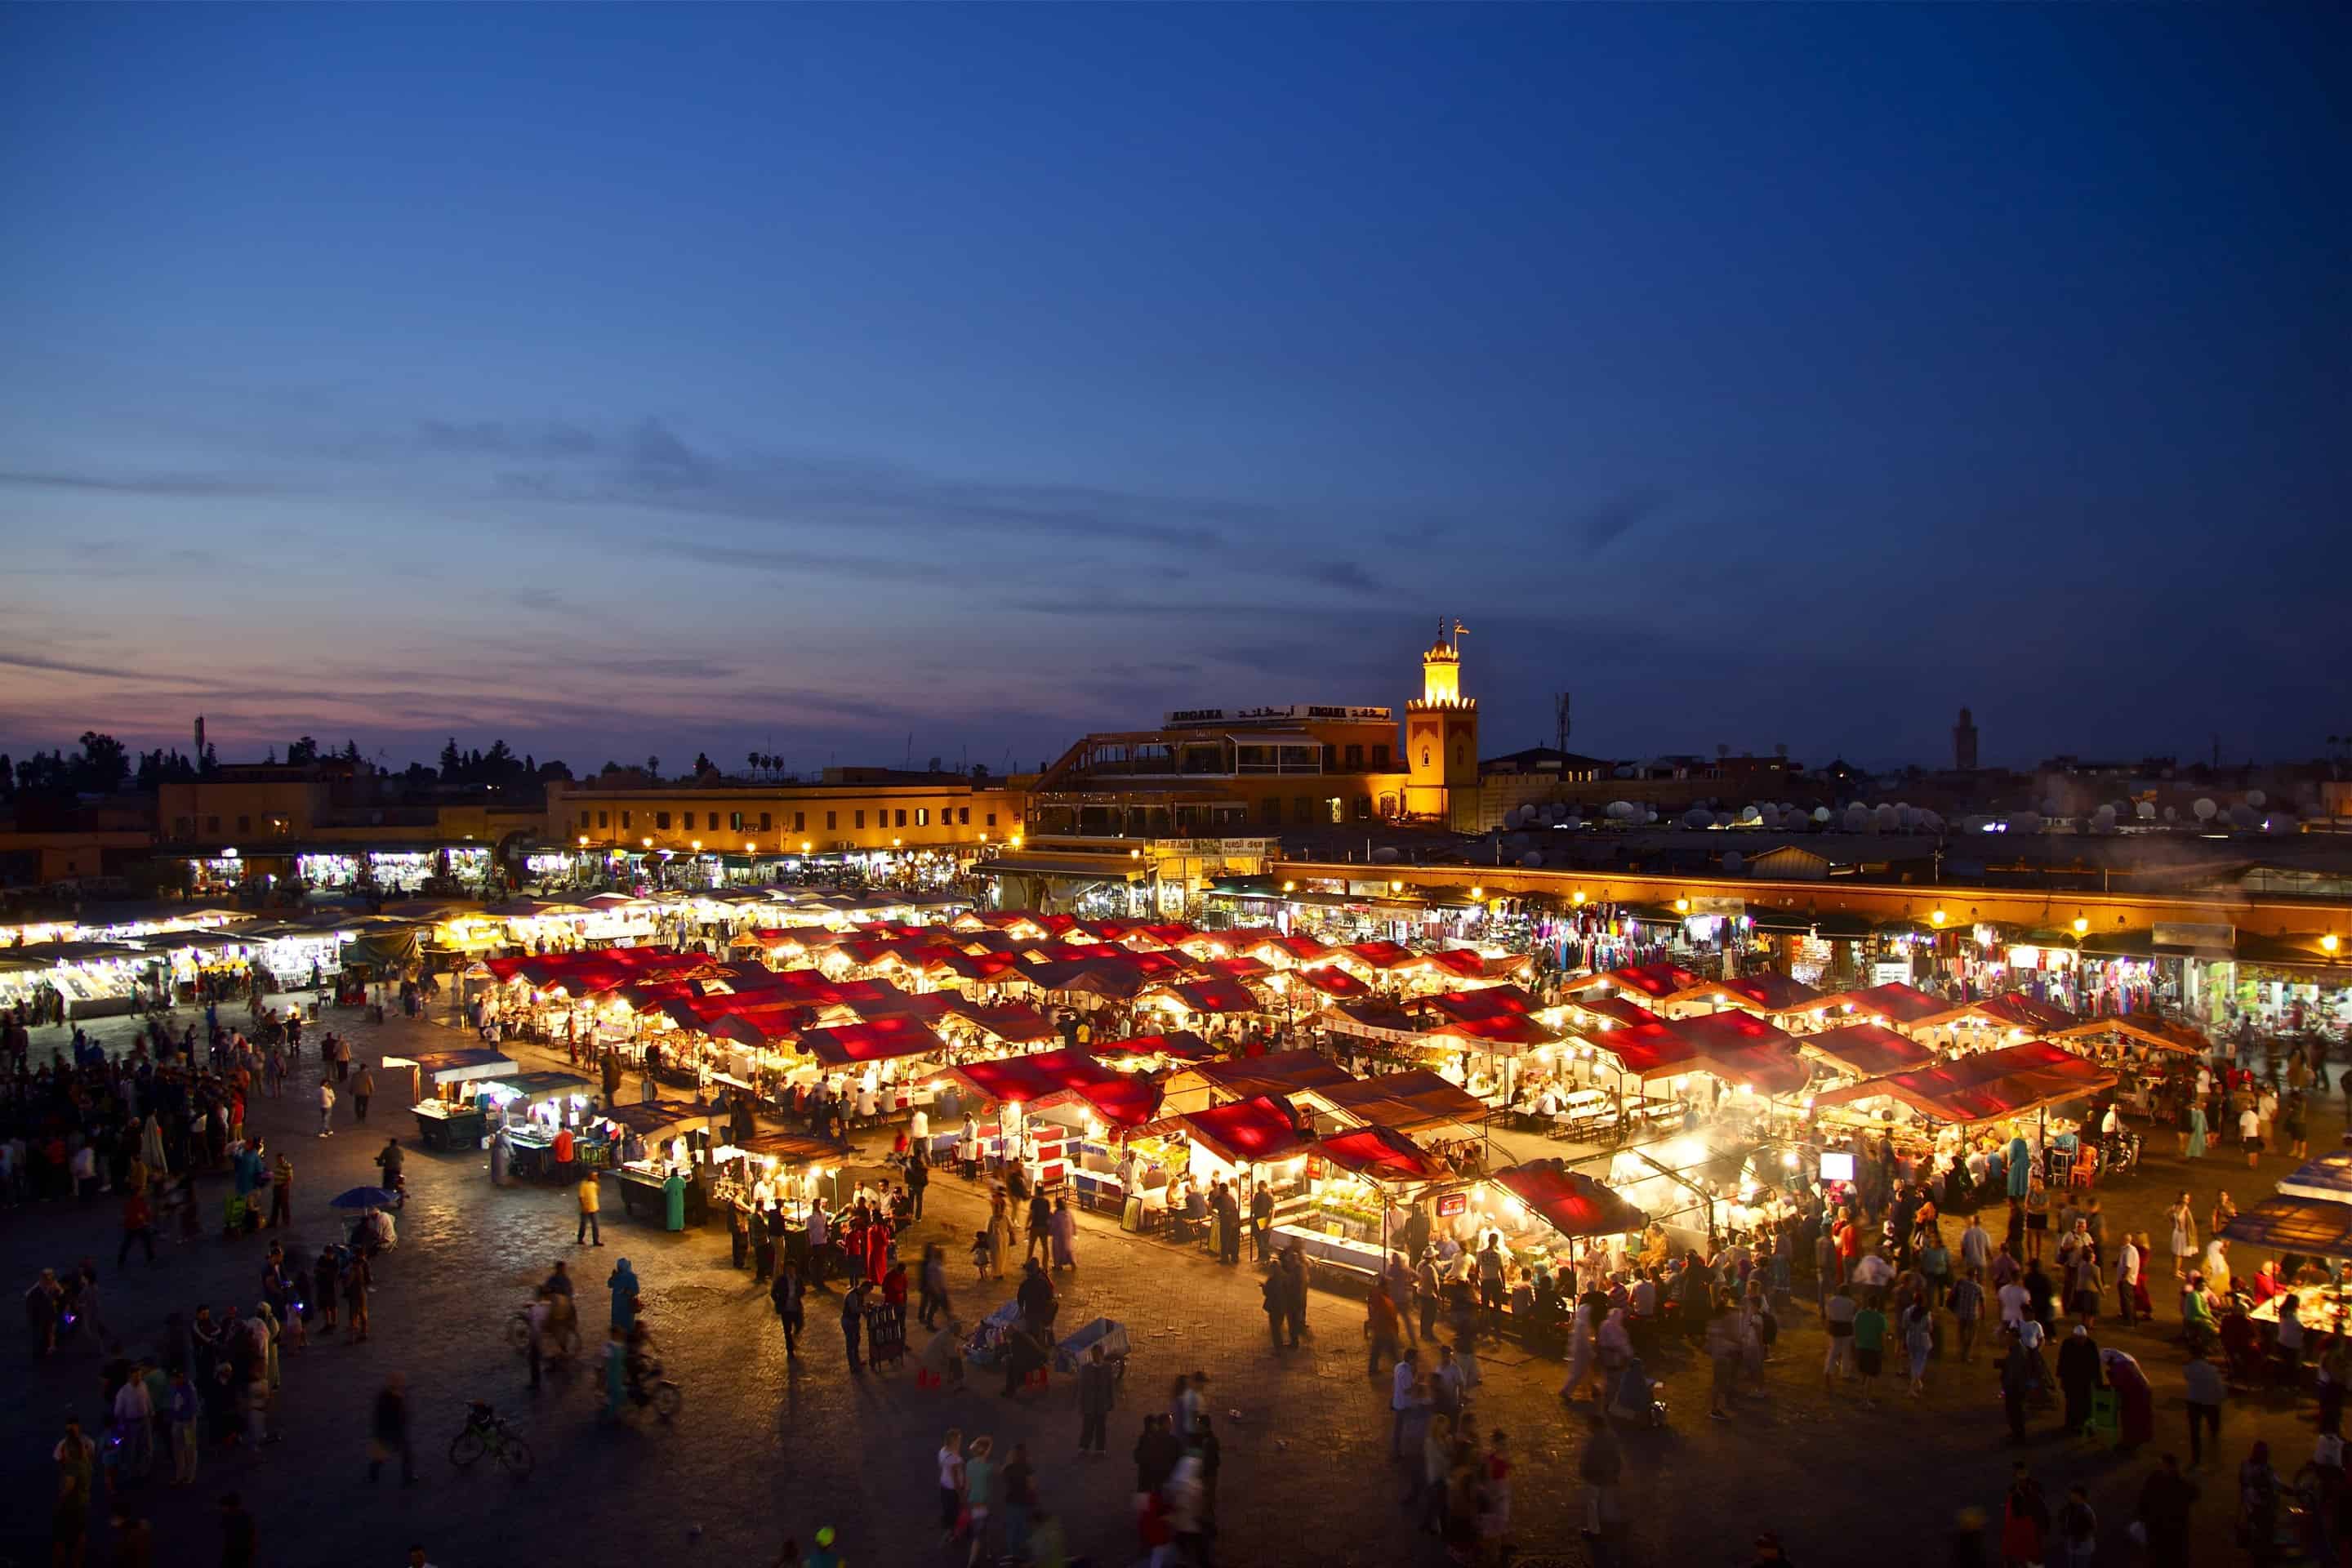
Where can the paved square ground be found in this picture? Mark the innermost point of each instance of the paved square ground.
(765, 1449)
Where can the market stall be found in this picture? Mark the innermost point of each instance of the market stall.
(1546, 1213)
(529, 1109)
(1250, 1142)
(441, 1083)
(657, 1139)
(1204, 1084)
(1359, 1182)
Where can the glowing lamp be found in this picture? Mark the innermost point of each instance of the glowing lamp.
(1936, 917)
(2081, 925)
(2329, 942)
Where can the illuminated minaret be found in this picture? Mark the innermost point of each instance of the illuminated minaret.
(1442, 737)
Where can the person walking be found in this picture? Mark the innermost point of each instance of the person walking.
(623, 1285)
(951, 1484)
(853, 1318)
(1094, 1393)
(931, 1285)
(362, 1090)
(138, 1225)
(786, 1294)
(2206, 1389)
(326, 1109)
(1262, 1219)
(1381, 1329)
(185, 1411)
(388, 1431)
(1063, 1227)
(590, 1201)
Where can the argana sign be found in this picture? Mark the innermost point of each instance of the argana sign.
(1288, 712)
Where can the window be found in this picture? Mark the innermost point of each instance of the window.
(829, 821)
(1269, 811)
(764, 822)
(734, 822)
(1424, 755)
(902, 817)
(603, 818)
(713, 823)
(211, 825)
(244, 823)
(922, 815)
(661, 821)
(1380, 759)
(799, 820)
(1355, 759)
(625, 818)
(964, 816)
(861, 819)
(991, 819)
(1335, 807)
(1302, 809)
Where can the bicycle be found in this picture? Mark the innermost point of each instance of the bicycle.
(486, 1432)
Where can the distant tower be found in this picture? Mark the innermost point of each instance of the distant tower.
(1964, 743)
(200, 739)
(1442, 738)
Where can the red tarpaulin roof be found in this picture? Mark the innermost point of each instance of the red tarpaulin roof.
(1571, 1202)
(1617, 1010)
(1465, 961)
(1407, 1101)
(1508, 1033)
(1489, 1002)
(1299, 948)
(1168, 934)
(1331, 980)
(1381, 1154)
(1373, 1014)
(876, 1041)
(1239, 967)
(1182, 1044)
(1766, 993)
(1991, 1084)
(1014, 1024)
(2149, 1028)
(1646, 1050)
(1902, 1006)
(1655, 981)
(983, 967)
(1868, 1050)
(1245, 1131)
(1380, 955)
(1212, 997)
(1110, 976)
(1277, 1072)
(765, 1028)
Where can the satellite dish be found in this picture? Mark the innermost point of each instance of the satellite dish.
(1734, 862)
(1820, 813)
(1721, 820)
(1650, 817)
(1697, 817)
(2104, 819)
(2171, 814)
(2205, 809)
(1385, 855)
(1531, 859)
(2145, 811)
(2257, 799)
(2243, 816)
(1751, 814)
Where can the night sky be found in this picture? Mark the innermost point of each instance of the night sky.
(642, 381)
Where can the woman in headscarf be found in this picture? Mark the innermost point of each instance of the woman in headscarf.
(150, 1144)
(623, 1282)
(2135, 1404)
(1064, 1229)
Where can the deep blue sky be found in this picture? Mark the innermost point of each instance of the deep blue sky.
(630, 381)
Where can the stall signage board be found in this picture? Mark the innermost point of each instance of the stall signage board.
(1891, 972)
(1288, 712)
(1453, 1204)
(1719, 906)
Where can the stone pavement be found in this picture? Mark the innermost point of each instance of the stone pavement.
(765, 1449)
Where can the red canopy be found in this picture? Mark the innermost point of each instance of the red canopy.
(1489, 1002)
(1168, 934)
(1901, 1006)
(1868, 1050)
(1381, 1154)
(1182, 1044)
(1571, 1202)
(876, 1041)
(1277, 1072)
(1299, 947)
(1331, 980)
(1407, 1101)
(1012, 1024)
(1507, 1033)
(1212, 996)
(1647, 1050)
(982, 967)
(1617, 1010)
(1655, 981)
(1245, 1131)
(1380, 955)
(1054, 1078)
(1238, 967)
(1765, 993)
(1987, 1084)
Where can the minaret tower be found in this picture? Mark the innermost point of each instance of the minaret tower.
(1442, 737)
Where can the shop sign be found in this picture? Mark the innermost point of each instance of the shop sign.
(1732, 907)
(1453, 1204)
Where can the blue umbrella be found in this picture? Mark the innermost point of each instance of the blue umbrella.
(365, 1198)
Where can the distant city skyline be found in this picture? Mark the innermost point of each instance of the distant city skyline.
(792, 380)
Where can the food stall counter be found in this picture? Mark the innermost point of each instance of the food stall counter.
(444, 1125)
